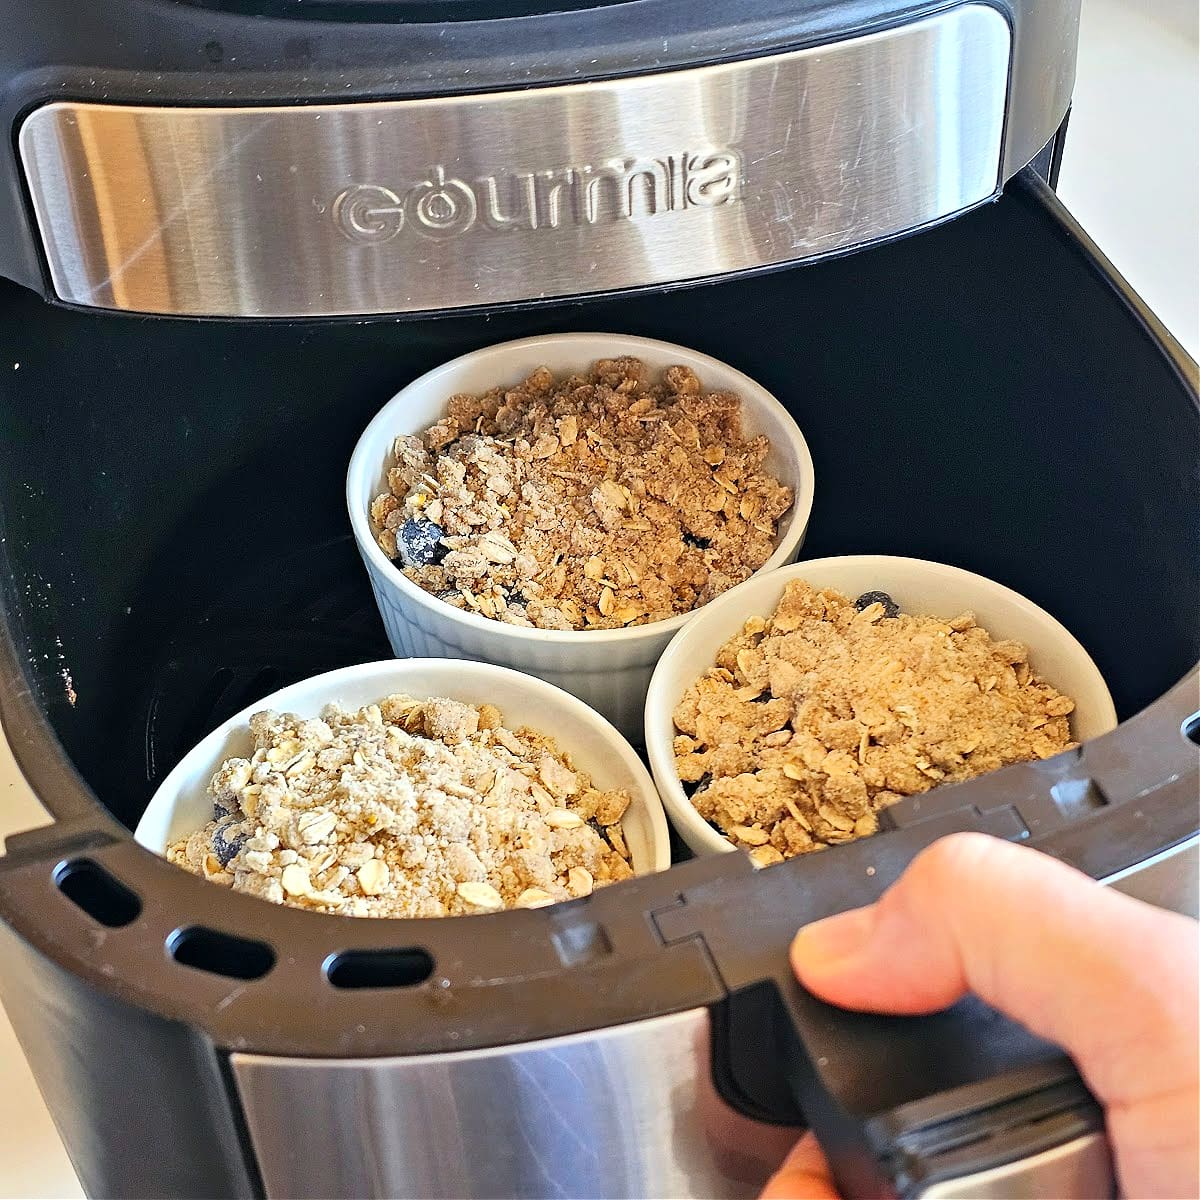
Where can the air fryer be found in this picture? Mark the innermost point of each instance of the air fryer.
(229, 231)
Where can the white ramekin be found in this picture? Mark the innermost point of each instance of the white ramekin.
(182, 804)
(924, 588)
(609, 668)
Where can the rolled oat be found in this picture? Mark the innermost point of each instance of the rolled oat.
(592, 501)
(815, 719)
(407, 808)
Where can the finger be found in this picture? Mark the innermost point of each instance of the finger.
(803, 1176)
(1110, 979)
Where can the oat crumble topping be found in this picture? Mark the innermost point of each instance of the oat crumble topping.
(591, 501)
(407, 808)
(814, 720)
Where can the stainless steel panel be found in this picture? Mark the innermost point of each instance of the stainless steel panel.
(1043, 78)
(1081, 1168)
(623, 1112)
(1170, 879)
(473, 200)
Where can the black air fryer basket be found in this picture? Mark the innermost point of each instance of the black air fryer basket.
(984, 392)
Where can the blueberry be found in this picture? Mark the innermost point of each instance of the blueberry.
(700, 543)
(227, 839)
(419, 543)
(890, 607)
(694, 789)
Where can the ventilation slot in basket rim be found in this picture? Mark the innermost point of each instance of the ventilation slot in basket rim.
(379, 968)
(219, 953)
(97, 892)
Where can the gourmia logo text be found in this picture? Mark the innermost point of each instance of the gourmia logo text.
(621, 189)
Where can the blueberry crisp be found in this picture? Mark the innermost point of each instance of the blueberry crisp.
(589, 501)
(814, 720)
(407, 808)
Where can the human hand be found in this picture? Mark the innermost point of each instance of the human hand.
(1110, 979)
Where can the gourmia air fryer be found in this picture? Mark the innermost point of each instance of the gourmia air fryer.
(230, 229)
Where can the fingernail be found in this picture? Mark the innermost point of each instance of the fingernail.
(826, 946)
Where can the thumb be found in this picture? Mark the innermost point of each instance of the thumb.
(804, 1175)
(1095, 971)
(1110, 979)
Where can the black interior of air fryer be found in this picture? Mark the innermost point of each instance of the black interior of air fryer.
(176, 536)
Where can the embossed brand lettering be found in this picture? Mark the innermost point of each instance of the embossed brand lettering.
(621, 189)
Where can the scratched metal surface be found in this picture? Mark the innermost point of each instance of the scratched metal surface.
(623, 1112)
(460, 201)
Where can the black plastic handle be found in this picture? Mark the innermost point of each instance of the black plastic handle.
(901, 1105)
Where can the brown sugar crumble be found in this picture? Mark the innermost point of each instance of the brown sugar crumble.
(591, 501)
(815, 719)
(407, 808)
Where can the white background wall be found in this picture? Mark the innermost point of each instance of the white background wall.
(1132, 165)
(1130, 175)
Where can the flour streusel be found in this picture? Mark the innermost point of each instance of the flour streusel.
(407, 808)
(813, 720)
(590, 501)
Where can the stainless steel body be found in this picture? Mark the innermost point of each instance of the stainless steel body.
(1169, 880)
(1082, 1168)
(629, 1111)
(399, 206)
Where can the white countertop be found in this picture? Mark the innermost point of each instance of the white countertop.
(1130, 176)
(33, 1163)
